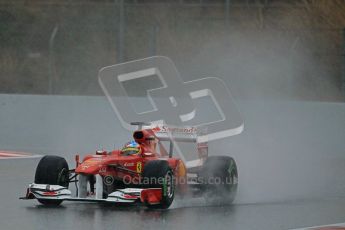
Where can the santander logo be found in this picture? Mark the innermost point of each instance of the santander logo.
(164, 129)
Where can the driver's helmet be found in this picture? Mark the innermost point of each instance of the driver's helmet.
(131, 148)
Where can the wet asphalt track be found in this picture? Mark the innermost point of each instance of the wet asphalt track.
(185, 214)
(293, 156)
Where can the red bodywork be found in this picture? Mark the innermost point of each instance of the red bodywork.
(129, 168)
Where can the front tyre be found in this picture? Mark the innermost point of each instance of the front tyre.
(52, 170)
(219, 179)
(158, 174)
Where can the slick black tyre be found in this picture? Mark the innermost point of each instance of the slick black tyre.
(52, 170)
(219, 179)
(158, 174)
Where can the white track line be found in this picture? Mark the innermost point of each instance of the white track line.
(339, 226)
(4, 154)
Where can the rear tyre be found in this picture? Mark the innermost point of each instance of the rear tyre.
(158, 174)
(219, 178)
(52, 170)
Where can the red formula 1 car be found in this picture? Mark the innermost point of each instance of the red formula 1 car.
(143, 171)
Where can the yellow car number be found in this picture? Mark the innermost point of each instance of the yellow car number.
(139, 167)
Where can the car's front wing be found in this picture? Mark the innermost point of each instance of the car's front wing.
(127, 195)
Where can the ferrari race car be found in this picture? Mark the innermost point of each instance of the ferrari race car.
(142, 172)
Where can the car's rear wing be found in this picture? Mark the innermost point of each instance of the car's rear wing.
(167, 132)
(178, 134)
(181, 134)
